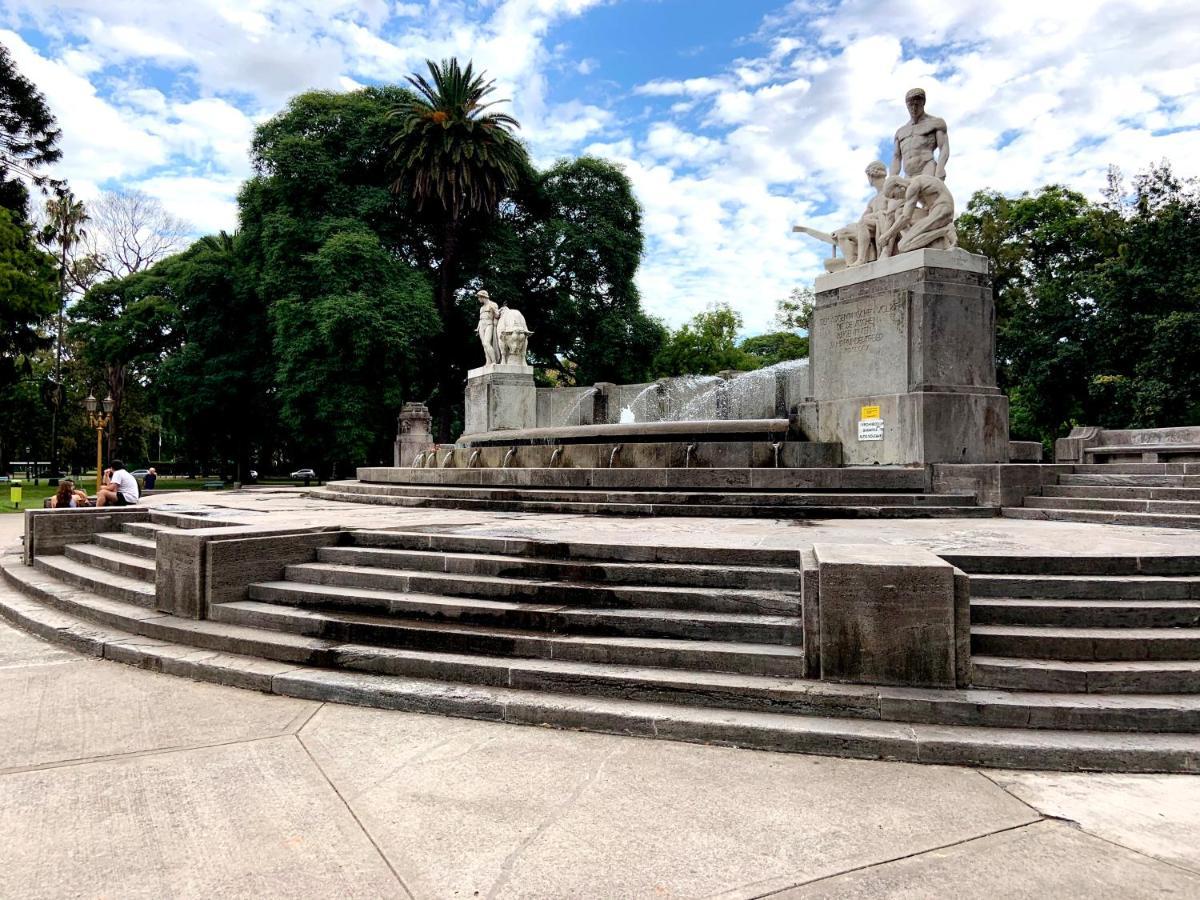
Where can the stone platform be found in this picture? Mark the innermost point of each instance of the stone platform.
(692, 629)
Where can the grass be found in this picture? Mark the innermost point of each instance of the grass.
(33, 496)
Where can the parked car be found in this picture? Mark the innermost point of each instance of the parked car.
(306, 474)
(140, 473)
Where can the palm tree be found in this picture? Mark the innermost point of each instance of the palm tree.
(62, 234)
(457, 160)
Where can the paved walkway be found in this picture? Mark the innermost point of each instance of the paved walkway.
(116, 782)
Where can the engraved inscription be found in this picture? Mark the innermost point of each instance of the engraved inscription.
(864, 325)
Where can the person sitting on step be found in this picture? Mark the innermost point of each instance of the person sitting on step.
(119, 487)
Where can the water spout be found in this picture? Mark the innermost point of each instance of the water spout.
(418, 460)
(777, 446)
(555, 455)
(447, 457)
(431, 459)
(687, 455)
(474, 459)
(507, 456)
(612, 456)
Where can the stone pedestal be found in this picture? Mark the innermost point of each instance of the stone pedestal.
(500, 397)
(902, 360)
(888, 614)
(413, 435)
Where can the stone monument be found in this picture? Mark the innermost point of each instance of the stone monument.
(413, 434)
(501, 395)
(902, 343)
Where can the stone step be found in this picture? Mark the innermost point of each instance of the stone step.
(555, 619)
(129, 544)
(1086, 613)
(1121, 493)
(115, 561)
(1124, 677)
(879, 737)
(548, 593)
(1144, 520)
(589, 571)
(724, 496)
(459, 638)
(82, 575)
(1132, 468)
(1161, 507)
(147, 530)
(1086, 644)
(1011, 564)
(1087, 587)
(859, 479)
(760, 511)
(575, 550)
(1098, 479)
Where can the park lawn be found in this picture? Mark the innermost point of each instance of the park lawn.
(32, 496)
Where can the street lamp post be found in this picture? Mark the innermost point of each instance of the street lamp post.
(99, 415)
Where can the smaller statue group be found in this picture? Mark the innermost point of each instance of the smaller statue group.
(908, 212)
(502, 331)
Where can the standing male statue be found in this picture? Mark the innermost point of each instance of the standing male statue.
(489, 312)
(917, 140)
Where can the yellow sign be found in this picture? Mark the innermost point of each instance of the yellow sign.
(870, 412)
(14, 494)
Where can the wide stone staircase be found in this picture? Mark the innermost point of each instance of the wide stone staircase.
(1095, 665)
(1163, 495)
(873, 492)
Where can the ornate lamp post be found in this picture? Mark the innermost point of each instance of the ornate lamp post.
(99, 415)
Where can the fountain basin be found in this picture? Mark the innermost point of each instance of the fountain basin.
(769, 430)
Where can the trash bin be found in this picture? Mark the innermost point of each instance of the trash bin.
(14, 493)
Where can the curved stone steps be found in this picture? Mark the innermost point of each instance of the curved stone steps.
(129, 544)
(107, 584)
(589, 571)
(711, 510)
(558, 618)
(1086, 644)
(545, 591)
(1133, 588)
(867, 738)
(116, 562)
(1086, 613)
(1102, 517)
(1177, 677)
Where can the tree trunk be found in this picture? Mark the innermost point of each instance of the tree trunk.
(445, 300)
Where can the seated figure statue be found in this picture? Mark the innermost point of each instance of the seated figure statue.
(927, 217)
(857, 241)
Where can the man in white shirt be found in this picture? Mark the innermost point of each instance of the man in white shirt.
(119, 487)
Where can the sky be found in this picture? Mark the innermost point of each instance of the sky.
(734, 119)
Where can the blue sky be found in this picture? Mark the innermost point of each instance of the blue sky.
(735, 119)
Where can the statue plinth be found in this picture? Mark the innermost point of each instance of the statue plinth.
(902, 362)
(413, 434)
(500, 397)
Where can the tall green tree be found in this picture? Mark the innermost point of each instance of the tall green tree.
(569, 250)
(338, 265)
(27, 297)
(456, 158)
(1046, 249)
(28, 136)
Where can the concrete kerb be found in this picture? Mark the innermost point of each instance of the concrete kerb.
(186, 577)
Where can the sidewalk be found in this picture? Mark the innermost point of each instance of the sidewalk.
(118, 782)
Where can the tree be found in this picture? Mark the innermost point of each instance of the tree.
(457, 160)
(337, 264)
(28, 135)
(795, 311)
(130, 231)
(776, 347)
(1045, 250)
(62, 235)
(705, 346)
(27, 297)
(569, 247)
